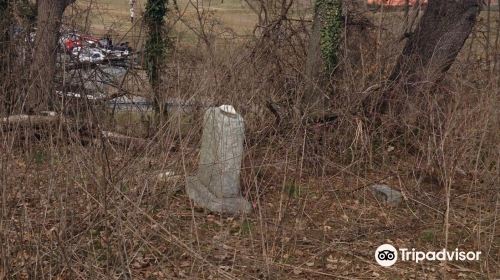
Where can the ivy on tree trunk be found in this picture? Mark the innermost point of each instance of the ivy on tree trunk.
(330, 12)
(324, 44)
(156, 47)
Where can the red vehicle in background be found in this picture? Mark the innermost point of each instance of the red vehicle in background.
(70, 41)
(90, 41)
(88, 48)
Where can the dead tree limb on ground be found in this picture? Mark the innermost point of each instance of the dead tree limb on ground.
(50, 120)
(123, 140)
(30, 121)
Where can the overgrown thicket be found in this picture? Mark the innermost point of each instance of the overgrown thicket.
(76, 204)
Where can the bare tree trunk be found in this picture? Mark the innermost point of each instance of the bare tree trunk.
(314, 63)
(433, 47)
(43, 68)
(358, 35)
(406, 11)
(5, 27)
(4, 36)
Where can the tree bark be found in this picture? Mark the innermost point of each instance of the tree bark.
(43, 69)
(433, 47)
(314, 64)
(322, 57)
(156, 49)
(8, 77)
(4, 50)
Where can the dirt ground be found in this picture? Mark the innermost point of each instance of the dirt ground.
(110, 216)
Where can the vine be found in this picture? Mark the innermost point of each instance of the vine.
(156, 44)
(330, 12)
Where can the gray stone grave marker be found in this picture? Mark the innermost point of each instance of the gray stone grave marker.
(216, 186)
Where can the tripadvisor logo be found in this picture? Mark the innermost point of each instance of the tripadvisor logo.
(386, 255)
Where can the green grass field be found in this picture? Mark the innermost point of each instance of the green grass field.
(221, 17)
(113, 16)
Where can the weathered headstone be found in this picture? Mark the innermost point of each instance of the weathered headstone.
(217, 183)
(386, 194)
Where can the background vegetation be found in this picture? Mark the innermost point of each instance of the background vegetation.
(78, 205)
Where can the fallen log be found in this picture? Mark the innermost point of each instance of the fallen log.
(16, 121)
(50, 119)
(123, 140)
